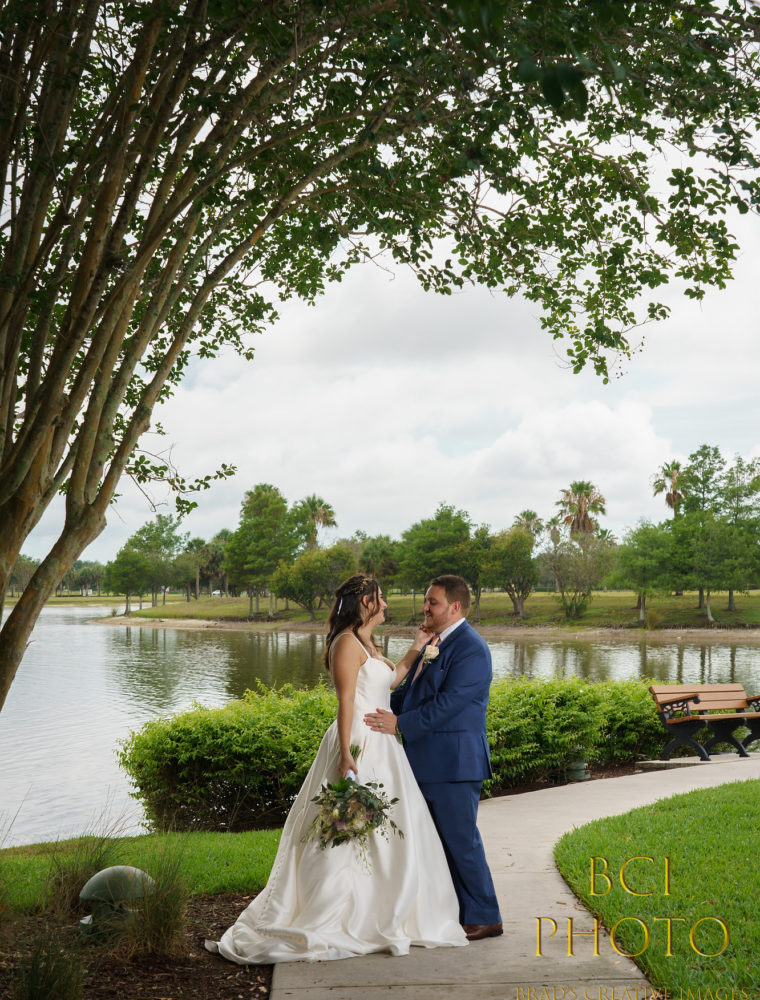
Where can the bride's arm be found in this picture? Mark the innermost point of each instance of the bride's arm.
(406, 662)
(346, 660)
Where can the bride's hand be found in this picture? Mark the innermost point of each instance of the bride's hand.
(347, 763)
(424, 637)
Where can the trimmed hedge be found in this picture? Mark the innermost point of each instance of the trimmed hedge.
(233, 768)
(239, 767)
(536, 726)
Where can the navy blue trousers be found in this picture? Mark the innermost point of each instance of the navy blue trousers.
(454, 808)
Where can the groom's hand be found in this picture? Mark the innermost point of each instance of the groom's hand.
(381, 721)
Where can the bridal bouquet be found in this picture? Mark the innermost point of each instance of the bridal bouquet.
(351, 811)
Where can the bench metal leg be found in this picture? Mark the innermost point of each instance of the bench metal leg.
(723, 732)
(754, 732)
(685, 740)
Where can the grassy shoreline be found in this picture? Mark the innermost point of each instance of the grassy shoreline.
(611, 612)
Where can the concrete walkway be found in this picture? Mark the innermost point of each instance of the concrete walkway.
(520, 832)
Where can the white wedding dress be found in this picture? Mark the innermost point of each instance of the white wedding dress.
(325, 904)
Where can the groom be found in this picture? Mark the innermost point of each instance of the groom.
(440, 710)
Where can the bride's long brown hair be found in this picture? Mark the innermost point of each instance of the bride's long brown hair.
(346, 612)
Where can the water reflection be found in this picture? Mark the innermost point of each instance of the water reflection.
(82, 688)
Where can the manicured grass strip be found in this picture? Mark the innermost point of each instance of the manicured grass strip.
(712, 838)
(211, 862)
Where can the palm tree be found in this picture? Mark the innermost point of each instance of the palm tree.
(529, 521)
(667, 481)
(313, 512)
(578, 503)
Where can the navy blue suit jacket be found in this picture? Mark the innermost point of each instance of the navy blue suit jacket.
(442, 715)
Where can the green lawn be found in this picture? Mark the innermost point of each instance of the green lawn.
(211, 862)
(712, 840)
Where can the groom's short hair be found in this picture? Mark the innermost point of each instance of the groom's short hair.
(456, 589)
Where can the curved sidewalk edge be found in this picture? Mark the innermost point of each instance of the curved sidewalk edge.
(520, 832)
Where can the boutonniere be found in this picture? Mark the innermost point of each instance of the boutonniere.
(429, 653)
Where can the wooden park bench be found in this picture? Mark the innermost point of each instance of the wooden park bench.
(721, 709)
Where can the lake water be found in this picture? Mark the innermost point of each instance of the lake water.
(81, 688)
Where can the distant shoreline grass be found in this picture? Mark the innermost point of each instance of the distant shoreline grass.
(607, 610)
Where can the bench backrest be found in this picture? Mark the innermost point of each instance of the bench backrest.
(712, 697)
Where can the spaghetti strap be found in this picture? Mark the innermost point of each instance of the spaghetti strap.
(358, 640)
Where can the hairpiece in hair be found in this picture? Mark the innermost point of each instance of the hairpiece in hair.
(340, 605)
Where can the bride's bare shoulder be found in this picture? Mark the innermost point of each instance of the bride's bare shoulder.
(347, 652)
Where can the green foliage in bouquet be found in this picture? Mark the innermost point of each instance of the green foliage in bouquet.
(351, 811)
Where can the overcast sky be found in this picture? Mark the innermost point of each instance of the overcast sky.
(386, 400)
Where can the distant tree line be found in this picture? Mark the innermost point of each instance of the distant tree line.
(708, 543)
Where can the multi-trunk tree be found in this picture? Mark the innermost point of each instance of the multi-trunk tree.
(170, 169)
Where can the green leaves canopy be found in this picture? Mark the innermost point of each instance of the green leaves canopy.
(435, 545)
(265, 536)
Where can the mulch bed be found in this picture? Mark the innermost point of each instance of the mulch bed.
(196, 975)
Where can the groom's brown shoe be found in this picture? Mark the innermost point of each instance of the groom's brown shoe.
(474, 932)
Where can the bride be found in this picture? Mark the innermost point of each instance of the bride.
(326, 904)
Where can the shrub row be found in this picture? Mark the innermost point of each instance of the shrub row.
(239, 767)
(536, 726)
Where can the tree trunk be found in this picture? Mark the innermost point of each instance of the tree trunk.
(642, 609)
(198, 584)
(15, 633)
(250, 603)
(271, 605)
(127, 605)
(708, 609)
(187, 592)
(257, 602)
(414, 603)
(477, 603)
(731, 601)
(701, 605)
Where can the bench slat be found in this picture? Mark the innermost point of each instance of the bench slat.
(715, 717)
